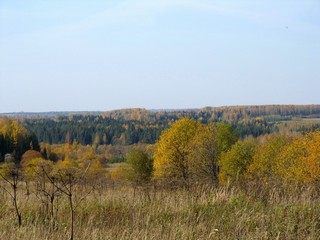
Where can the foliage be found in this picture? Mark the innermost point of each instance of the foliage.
(174, 149)
(300, 161)
(139, 167)
(34, 168)
(29, 155)
(226, 137)
(133, 126)
(189, 151)
(234, 163)
(94, 130)
(265, 159)
(15, 139)
(205, 153)
(8, 170)
(208, 143)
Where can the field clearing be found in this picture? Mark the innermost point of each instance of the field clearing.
(301, 120)
(311, 119)
(122, 212)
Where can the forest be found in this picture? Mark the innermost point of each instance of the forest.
(243, 172)
(133, 126)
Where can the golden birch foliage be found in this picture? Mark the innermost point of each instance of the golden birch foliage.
(300, 161)
(67, 150)
(35, 167)
(15, 132)
(90, 154)
(204, 144)
(204, 154)
(12, 128)
(312, 162)
(209, 142)
(96, 169)
(266, 157)
(8, 169)
(67, 163)
(234, 163)
(75, 145)
(172, 154)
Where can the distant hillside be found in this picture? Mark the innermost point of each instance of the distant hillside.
(47, 114)
(225, 113)
(138, 125)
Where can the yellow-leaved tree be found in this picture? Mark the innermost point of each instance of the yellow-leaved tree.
(263, 166)
(38, 171)
(209, 142)
(300, 161)
(174, 150)
(234, 163)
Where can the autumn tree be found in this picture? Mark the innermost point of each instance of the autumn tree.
(11, 173)
(66, 178)
(16, 139)
(139, 167)
(226, 137)
(29, 155)
(234, 163)
(264, 162)
(174, 150)
(208, 143)
(204, 164)
(40, 172)
(299, 162)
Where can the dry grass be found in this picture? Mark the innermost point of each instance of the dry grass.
(200, 213)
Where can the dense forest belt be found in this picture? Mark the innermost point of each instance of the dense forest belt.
(94, 130)
(132, 126)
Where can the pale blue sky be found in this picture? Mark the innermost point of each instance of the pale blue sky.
(100, 55)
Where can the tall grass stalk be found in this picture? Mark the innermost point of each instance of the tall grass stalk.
(197, 213)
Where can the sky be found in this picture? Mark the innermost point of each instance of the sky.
(75, 55)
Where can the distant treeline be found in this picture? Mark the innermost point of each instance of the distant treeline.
(94, 130)
(218, 114)
(132, 126)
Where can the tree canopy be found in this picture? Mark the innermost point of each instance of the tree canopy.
(173, 152)
(15, 139)
(189, 150)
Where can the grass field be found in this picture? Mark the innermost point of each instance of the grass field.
(200, 213)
